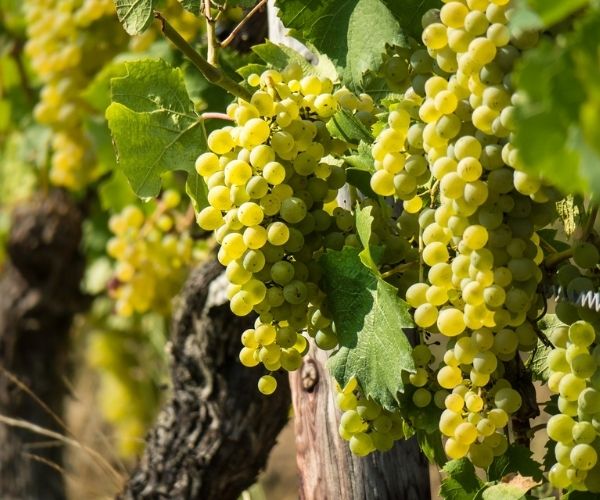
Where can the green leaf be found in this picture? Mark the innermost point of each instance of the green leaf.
(360, 170)
(352, 33)
(431, 445)
(344, 125)
(279, 56)
(561, 84)
(135, 15)
(197, 190)
(552, 11)
(409, 13)
(549, 456)
(115, 193)
(549, 237)
(369, 317)
(549, 322)
(153, 124)
(192, 6)
(516, 459)
(361, 180)
(362, 158)
(504, 492)
(370, 254)
(580, 495)
(461, 481)
(97, 93)
(538, 362)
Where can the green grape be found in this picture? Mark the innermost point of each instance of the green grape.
(560, 428)
(582, 333)
(583, 457)
(508, 400)
(421, 398)
(267, 384)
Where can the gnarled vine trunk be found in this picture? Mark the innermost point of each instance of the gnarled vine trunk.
(215, 434)
(39, 295)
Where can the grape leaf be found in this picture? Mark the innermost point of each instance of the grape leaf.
(360, 179)
(279, 56)
(549, 456)
(344, 125)
(97, 93)
(537, 364)
(431, 444)
(153, 124)
(580, 495)
(370, 253)
(516, 459)
(197, 190)
(369, 317)
(504, 491)
(135, 15)
(461, 481)
(549, 12)
(409, 13)
(561, 83)
(115, 192)
(353, 33)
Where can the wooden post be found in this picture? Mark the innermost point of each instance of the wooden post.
(328, 471)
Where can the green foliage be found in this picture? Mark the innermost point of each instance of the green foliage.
(461, 482)
(409, 13)
(543, 13)
(279, 56)
(115, 192)
(344, 125)
(343, 30)
(504, 491)
(154, 126)
(560, 82)
(430, 441)
(369, 318)
(516, 459)
(370, 255)
(135, 15)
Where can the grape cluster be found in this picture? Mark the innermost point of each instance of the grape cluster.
(365, 424)
(478, 238)
(269, 179)
(153, 254)
(61, 38)
(131, 369)
(574, 377)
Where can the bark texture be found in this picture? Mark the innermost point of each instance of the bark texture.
(328, 471)
(39, 295)
(215, 434)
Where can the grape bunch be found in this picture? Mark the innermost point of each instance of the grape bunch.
(271, 184)
(575, 378)
(365, 424)
(154, 253)
(61, 38)
(129, 357)
(448, 141)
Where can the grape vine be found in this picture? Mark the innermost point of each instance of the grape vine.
(419, 200)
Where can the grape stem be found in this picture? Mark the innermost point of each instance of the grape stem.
(216, 116)
(539, 427)
(556, 258)
(211, 73)
(241, 24)
(397, 269)
(211, 37)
